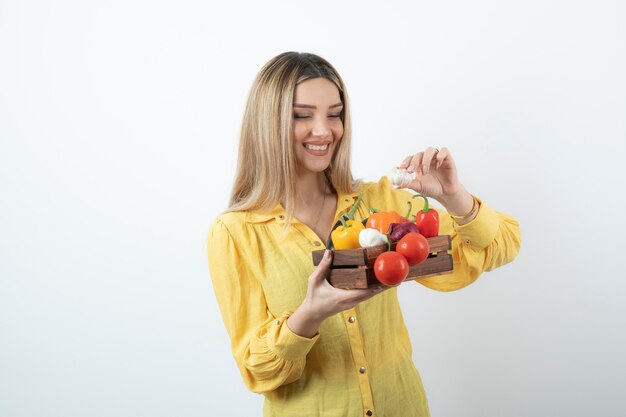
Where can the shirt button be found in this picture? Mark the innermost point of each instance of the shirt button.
(369, 413)
(317, 243)
(468, 242)
(347, 200)
(362, 369)
(351, 319)
(278, 322)
(281, 217)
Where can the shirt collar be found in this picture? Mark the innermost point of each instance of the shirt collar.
(344, 202)
(257, 216)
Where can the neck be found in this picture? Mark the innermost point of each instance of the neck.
(310, 187)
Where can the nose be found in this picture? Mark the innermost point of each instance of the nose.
(320, 130)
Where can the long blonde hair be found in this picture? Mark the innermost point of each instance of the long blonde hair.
(266, 166)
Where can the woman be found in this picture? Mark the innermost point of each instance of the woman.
(310, 348)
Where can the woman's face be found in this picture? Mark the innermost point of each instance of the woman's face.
(317, 123)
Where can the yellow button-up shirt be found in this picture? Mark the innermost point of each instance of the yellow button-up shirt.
(360, 363)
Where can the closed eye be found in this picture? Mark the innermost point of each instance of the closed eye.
(297, 116)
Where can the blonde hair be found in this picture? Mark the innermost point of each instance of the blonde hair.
(266, 166)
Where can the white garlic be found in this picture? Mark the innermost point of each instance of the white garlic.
(371, 237)
(400, 177)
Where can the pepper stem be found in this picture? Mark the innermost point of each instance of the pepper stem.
(425, 209)
(350, 214)
(410, 209)
(343, 223)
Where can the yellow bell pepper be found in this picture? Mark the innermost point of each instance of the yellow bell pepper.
(346, 236)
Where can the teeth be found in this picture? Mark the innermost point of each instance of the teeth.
(317, 148)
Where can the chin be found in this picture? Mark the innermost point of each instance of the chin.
(309, 163)
(313, 167)
(317, 169)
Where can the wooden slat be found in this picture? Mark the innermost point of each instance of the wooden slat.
(349, 278)
(345, 257)
(437, 265)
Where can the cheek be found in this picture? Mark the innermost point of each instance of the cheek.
(299, 132)
(338, 131)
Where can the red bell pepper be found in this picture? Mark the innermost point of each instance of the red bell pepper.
(427, 219)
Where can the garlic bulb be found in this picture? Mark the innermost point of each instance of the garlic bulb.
(371, 237)
(400, 177)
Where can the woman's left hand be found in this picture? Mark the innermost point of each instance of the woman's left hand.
(436, 174)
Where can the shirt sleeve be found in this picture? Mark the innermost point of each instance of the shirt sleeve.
(490, 240)
(267, 352)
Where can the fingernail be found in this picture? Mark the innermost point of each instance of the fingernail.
(424, 169)
(411, 168)
(326, 254)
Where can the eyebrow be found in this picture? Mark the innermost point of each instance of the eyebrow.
(308, 106)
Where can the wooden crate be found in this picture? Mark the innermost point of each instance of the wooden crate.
(353, 268)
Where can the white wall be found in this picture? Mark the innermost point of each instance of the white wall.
(118, 135)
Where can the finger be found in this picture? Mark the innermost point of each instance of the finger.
(417, 185)
(446, 158)
(353, 297)
(372, 292)
(405, 162)
(415, 162)
(441, 156)
(321, 272)
(429, 154)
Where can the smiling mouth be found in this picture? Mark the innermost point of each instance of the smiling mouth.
(316, 147)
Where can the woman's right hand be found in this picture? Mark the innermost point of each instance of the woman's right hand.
(323, 300)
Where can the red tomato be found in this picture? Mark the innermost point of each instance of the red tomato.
(414, 247)
(391, 268)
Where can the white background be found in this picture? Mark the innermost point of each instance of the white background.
(119, 125)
